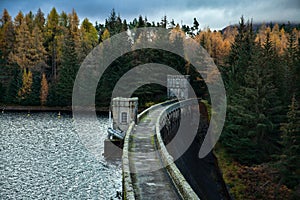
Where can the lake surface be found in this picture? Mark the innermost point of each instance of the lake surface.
(42, 157)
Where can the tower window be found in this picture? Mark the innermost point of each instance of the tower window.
(124, 117)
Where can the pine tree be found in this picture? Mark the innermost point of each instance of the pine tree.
(5, 17)
(196, 25)
(263, 97)
(29, 18)
(7, 35)
(205, 40)
(261, 35)
(283, 41)
(18, 20)
(255, 108)
(133, 24)
(172, 24)
(63, 20)
(141, 22)
(26, 89)
(33, 99)
(63, 28)
(2, 69)
(241, 52)
(276, 38)
(239, 137)
(297, 72)
(39, 19)
(164, 22)
(186, 29)
(28, 50)
(113, 23)
(289, 160)
(291, 62)
(89, 38)
(124, 25)
(22, 46)
(105, 35)
(52, 30)
(67, 72)
(11, 95)
(75, 32)
(194, 28)
(218, 52)
(44, 90)
(38, 52)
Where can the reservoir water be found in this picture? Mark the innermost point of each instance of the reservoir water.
(42, 157)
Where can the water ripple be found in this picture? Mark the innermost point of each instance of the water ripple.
(41, 157)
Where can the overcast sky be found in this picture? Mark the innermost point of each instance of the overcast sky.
(216, 14)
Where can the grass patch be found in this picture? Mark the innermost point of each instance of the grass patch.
(229, 169)
(144, 119)
(153, 140)
(149, 104)
(250, 182)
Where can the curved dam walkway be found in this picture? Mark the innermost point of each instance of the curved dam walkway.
(149, 169)
(150, 179)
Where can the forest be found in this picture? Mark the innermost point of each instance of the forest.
(259, 149)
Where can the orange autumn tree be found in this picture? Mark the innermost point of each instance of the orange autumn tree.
(44, 90)
(25, 90)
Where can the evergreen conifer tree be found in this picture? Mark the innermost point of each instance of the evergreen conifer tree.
(67, 72)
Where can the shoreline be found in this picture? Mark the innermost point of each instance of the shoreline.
(45, 109)
(17, 108)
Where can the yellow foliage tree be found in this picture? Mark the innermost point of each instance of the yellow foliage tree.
(216, 44)
(275, 38)
(75, 31)
(7, 35)
(176, 32)
(261, 35)
(105, 35)
(28, 48)
(204, 38)
(44, 90)
(25, 90)
(217, 47)
(284, 41)
(279, 38)
(89, 38)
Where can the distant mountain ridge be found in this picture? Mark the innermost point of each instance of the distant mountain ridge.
(289, 26)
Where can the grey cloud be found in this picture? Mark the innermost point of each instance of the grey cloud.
(226, 11)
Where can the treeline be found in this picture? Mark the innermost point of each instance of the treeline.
(261, 72)
(262, 79)
(40, 57)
